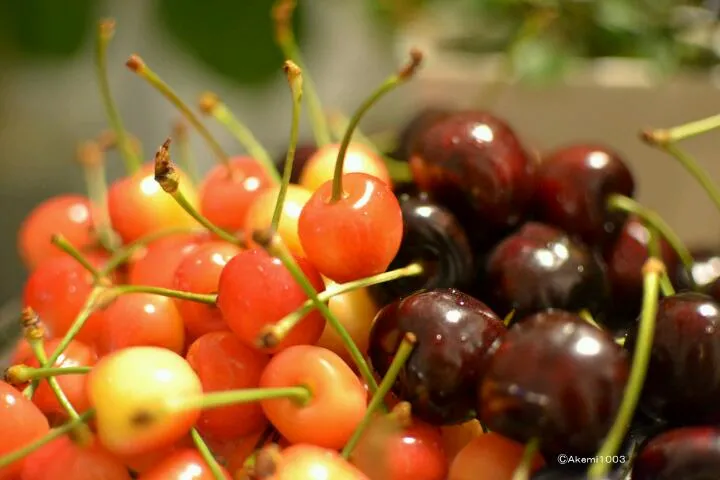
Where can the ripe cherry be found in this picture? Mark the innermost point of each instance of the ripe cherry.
(155, 264)
(68, 215)
(222, 362)
(415, 129)
(358, 159)
(199, 272)
(142, 462)
(704, 274)
(692, 453)
(571, 189)
(134, 390)
(255, 289)
(576, 369)
(241, 448)
(185, 464)
(226, 199)
(490, 456)
(337, 401)
(306, 461)
(454, 333)
(455, 437)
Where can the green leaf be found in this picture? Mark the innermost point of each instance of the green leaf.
(540, 59)
(234, 38)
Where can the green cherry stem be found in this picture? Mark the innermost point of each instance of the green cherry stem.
(274, 245)
(63, 244)
(295, 80)
(300, 394)
(211, 105)
(285, 38)
(137, 65)
(522, 472)
(509, 318)
(697, 172)
(106, 31)
(20, 374)
(395, 80)
(207, 455)
(54, 434)
(403, 353)
(681, 132)
(339, 124)
(274, 333)
(167, 177)
(38, 348)
(587, 316)
(206, 298)
(187, 159)
(655, 251)
(641, 358)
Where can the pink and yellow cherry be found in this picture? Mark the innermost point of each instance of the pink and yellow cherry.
(155, 264)
(68, 215)
(225, 198)
(311, 462)
(186, 464)
(142, 462)
(141, 319)
(490, 456)
(62, 458)
(354, 236)
(222, 362)
(199, 272)
(135, 391)
(259, 217)
(22, 423)
(256, 290)
(138, 206)
(359, 158)
(337, 401)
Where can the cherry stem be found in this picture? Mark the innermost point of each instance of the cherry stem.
(587, 316)
(91, 157)
(206, 298)
(211, 105)
(649, 217)
(274, 333)
(20, 374)
(339, 125)
(295, 80)
(276, 247)
(207, 455)
(54, 434)
(509, 318)
(522, 472)
(655, 251)
(651, 272)
(681, 132)
(32, 328)
(388, 85)
(63, 244)
(187, 159)
(299, 393)
(285, 38)
(137, 65)
(398, 363)
(106, 31)
(167, 177)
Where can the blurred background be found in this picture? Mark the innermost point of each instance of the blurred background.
(559, 70)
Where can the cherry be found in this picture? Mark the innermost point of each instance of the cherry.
(415, 129)
(571, 190)
(306, 461)
(681, 385)
(455, 437)
(186, 464)
(141, 319)
(222, 362)
(199, 272)
(554, 378)
(454, 332)
(540, 267)
(155, 264)
(687, 453)
(68, 215)
(337, 400)
(358, 159)
(702, 276)
(302, 155)
(490, 456)
(142, 462)
(241, 448)
(255, 289)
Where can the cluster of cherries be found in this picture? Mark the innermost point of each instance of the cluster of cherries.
(460, 308)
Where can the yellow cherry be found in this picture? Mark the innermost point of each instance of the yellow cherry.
(320, 167)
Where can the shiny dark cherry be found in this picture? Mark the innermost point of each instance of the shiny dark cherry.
(704, 275)
(415, 129)
(302, 155)
(556, 378)
(685, 453)
(454, 332)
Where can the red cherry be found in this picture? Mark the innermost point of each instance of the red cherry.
(490, 456)
(359, 158)
(225, 199)
(141, 319)
(155, 265)
(305, 461)
(199, 272)
(222, 362)
(185, 464)
(21, 423)
(256, 290)
(68, 215)
(64, 459)
(357, 236)
(241, 449)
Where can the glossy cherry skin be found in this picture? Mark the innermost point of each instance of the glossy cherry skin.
(572, 187)
(490, 456)
(356, 237)
(556, 378)
(540, 267)
(273, 293)
(320, 168)
(68, 215)
(454, 333)
(310, 462)
(26, 422)
(225, 199)
(474, 163)
(415, 129)
(687, 453)
(186, 464)
(155, 264)
(681, 384)
(199, 272)
(302, 155)
(703, 275)
(222, 362)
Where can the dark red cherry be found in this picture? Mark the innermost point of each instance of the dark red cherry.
(682, 384)
(684, 453)
(572, 187)
(454, 332)
(302, 155)
(415, 129)
(556, 378)
(704, 274)
(474, 163)
(541, 267)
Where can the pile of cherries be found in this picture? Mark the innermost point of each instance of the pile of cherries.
(483, 312)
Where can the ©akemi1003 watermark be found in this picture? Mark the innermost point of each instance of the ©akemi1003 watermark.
(564, 459)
